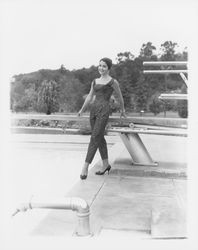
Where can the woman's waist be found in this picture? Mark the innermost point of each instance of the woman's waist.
(97, 104)
(101, 102)
(101, 99)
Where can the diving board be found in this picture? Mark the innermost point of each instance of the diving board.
(135, 146)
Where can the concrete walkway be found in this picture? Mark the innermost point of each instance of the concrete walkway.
(143, 202)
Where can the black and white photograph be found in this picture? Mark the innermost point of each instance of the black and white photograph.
(98, 124)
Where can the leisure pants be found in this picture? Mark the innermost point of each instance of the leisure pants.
(99, 116)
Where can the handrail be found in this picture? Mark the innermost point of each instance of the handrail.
(173, 96)
(169, 71)
(177, 63)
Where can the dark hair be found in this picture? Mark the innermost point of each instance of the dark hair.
(108, 61)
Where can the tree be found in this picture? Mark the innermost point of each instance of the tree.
(48, 98)
(21, 105)
(21, 98)
(168, 51)
(124, 56)
(126, 92)
(86, 76)
(182, 105)
(62, 68)
(71, 95)
(127, 74)
(31, 97)
(29, 93)
(142, 94)
(182, 108)
(182, 56)
(156, 106)
(147, 51)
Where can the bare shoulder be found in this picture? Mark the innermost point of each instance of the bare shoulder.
(115, 83)
(97, 80)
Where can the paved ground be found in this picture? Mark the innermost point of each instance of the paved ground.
(140, 206)
(41, 165)
(124, 208)
(138, 202)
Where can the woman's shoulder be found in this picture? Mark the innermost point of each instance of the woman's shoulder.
(114, 81)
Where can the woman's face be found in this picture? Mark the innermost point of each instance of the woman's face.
(103, 68)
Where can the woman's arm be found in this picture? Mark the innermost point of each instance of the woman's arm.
(116, 87)
(87, 100)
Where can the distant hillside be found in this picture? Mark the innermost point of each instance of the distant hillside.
(63, 90)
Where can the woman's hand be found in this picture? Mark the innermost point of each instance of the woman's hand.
(79, 113)
(123, 114)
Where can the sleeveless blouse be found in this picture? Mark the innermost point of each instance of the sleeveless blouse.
(103, 92)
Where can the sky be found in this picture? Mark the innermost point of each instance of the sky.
(47, 33)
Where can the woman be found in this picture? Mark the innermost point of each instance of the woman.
(102, 88)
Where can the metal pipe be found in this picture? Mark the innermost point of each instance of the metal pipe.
(173, 97)
(71, 203)
(165, 63)
(173, 71)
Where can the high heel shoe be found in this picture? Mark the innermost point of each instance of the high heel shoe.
(83, 176)
(103, 172)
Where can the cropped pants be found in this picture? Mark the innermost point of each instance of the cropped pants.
(99, 116)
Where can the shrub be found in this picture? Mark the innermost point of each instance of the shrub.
(183, 108)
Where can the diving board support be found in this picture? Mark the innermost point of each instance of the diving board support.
(137, 150)
(184, 79)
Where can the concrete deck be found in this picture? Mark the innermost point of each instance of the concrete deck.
(138, 201)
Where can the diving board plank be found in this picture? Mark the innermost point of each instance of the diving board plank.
(173, 96)
(178, 63)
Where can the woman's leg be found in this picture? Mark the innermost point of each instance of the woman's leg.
(105, 164)
(104, 153)
(103, 148)
(86, 163)
(85, 169)
(97, 137)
